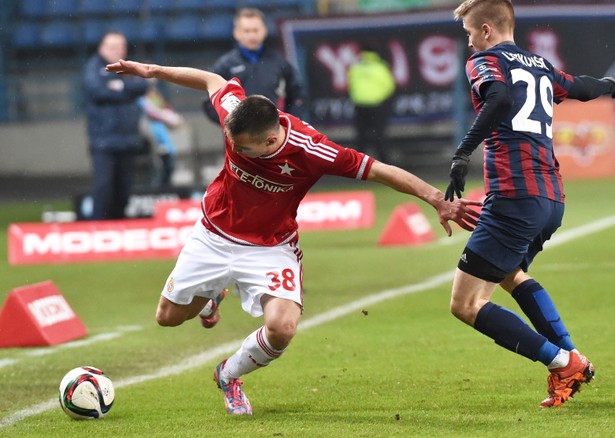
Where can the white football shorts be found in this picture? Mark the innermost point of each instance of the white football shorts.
(209, 263)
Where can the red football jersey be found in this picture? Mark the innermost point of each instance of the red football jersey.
(254, 201)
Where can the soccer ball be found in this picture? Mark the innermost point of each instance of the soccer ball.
(86, 393)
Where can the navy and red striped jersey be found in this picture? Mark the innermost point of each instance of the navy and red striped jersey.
(519, 156)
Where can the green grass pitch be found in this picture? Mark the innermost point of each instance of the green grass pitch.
(401, 366)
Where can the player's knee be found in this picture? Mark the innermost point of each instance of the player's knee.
(280, 333)
(462, 311)
(166, 318)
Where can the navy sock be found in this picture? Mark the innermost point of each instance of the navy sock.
(511, 332)
(537, 305)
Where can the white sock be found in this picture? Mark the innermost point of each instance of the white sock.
(255, 352)
(560, 360)
(206, 312)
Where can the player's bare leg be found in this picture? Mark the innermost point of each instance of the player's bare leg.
(469, 295)
(170, 314)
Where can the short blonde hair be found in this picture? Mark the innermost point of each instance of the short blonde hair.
(499, 13)
(249, 13)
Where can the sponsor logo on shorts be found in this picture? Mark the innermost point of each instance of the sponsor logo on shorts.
(464, 258)
(171, 285)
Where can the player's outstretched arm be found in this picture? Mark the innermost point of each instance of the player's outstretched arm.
(458, 211)
(586, 88)
(184, 76)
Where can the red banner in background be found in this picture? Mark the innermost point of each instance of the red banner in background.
(317, 211)
(94, 241)
(584, 138)
(336, 211)
(165, 234)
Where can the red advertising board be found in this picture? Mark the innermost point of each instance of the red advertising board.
(336, 211)
(164, 235)
(317, 211)
(38, 315)
(94, 241)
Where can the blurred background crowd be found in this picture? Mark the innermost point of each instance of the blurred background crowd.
(46, 44)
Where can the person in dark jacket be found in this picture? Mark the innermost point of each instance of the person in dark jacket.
(260, 68)
(113, 116)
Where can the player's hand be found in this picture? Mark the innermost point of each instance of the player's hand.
(612, 81)
(459, 211)
(459, 170)
(123, 67)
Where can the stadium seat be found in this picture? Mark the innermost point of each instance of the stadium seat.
(92, 30)
(127, 6)
(59, 34)
(128, 26)
(220, 5)
(187, 28)
(160, 6)
(33, 8)
(281, 5)
(26, 35)
(63, 8)
(218, 26)
(152, 30)
(95, 7)
(186, 6)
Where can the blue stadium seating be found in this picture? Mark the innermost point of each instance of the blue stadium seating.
(33, 8)
(129, 27)
(92, 30)
(58, 23)
(63, 8)
(218, 26)
(95, 7)
(160, 6)
(152, 30)
(26, 35)
(59, 34)
(186, 28)
(127, 6)
(280, 5)
(220, 5)
(190, 5)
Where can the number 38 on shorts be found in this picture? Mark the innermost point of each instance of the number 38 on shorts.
(284, 279)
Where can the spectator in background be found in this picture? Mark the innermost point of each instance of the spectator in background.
(112, 126)
(261, 69)
(371, 86)
(160, 119)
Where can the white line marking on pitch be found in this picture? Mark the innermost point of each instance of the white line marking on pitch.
(338, 312)
(73, 344)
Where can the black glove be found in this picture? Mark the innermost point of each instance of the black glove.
(612, 81)
(459, 170)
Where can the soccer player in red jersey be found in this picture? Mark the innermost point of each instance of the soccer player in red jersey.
(513, 92)
(248, 233)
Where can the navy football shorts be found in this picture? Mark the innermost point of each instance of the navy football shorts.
(511, 231)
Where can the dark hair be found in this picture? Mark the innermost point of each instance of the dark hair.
(255, 115)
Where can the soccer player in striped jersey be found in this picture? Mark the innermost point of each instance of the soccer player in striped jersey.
(513, 92)
(248, 233)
